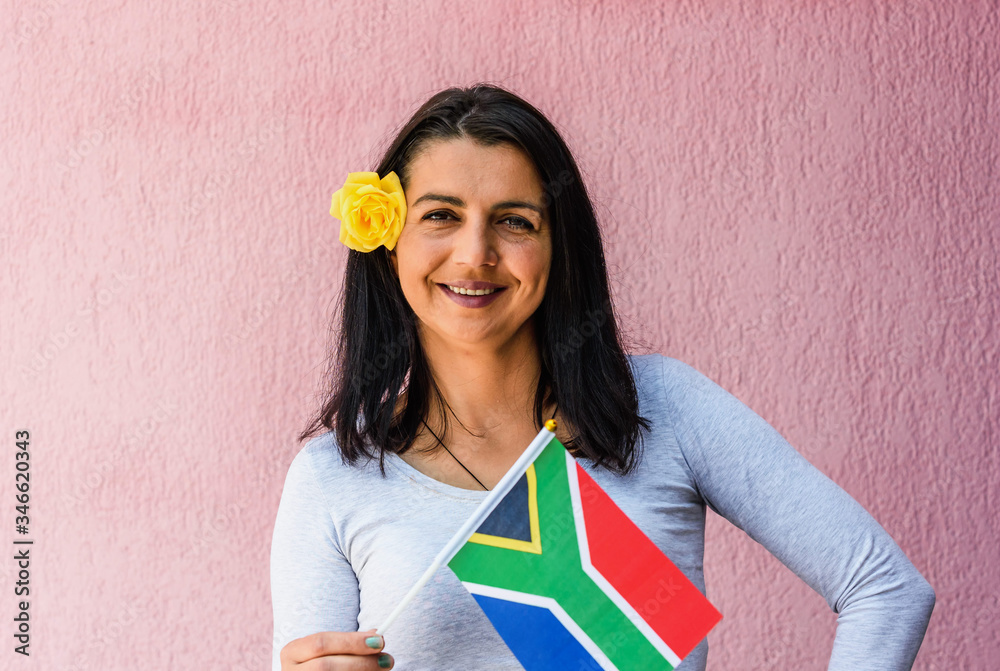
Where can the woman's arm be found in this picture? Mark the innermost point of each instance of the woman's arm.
(751, 476)
(313, 587)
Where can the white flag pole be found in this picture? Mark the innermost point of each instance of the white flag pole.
(506, 483)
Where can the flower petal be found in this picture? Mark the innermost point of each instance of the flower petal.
(372, 210)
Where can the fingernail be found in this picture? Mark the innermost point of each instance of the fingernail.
(384, 661)
(374, 642)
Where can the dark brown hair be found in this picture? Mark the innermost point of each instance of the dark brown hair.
(584, 366)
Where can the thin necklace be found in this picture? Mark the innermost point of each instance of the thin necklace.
(441, 443)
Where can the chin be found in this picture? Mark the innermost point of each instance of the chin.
(474, 338)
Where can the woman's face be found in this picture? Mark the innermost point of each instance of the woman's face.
(474, 221)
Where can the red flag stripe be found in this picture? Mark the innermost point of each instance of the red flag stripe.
(662, 595)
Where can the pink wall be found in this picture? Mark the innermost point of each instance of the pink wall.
(800, 202)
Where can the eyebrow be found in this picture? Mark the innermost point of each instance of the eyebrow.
(458, 202)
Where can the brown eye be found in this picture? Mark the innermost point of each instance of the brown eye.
(518, 224)
(438, 215)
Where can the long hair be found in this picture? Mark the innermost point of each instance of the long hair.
(584, 368)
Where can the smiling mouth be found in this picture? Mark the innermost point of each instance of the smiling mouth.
(472, 292)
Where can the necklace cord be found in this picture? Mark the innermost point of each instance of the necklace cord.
(441, 443)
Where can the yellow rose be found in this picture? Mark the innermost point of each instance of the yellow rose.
(371, 211)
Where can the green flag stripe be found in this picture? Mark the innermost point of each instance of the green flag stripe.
(558, 573)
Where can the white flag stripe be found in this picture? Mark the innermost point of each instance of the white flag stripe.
(581, 535)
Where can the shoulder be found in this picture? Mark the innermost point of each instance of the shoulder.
(663, 387)
(666, 377)
(319, 467)
(319, 454)
(684, 399)
(322, 495)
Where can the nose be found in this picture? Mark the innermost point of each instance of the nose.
(475, 243)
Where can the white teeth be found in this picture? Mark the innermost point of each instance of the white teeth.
(471, 292)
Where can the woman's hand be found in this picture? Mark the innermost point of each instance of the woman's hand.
(336, 651)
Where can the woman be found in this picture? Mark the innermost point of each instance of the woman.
(490, 313)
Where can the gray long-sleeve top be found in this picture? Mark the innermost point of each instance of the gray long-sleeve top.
(349, 543)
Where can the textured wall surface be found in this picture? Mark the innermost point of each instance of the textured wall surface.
(800, 200)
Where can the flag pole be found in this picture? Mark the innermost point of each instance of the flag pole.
(502, 488)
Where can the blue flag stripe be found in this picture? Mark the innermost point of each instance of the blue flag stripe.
(538, 631)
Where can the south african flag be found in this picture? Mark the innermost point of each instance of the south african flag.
(570, 582)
